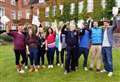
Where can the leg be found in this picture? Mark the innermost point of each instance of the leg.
(57, 55)
(73, 59)
(17, 58)
(31, 57)
(67, 61)
(62, 55)
(85, 54)
(52, 55)
(98, 58)
(109, 59)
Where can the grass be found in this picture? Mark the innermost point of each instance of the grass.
(8, 72)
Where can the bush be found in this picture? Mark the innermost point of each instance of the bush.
(5, 38)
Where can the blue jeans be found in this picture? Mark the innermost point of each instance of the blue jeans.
(57, 55)
(50, 55)
(33, 56)
(84, 52)
(107, 58)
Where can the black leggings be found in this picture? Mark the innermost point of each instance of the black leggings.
(21, 52)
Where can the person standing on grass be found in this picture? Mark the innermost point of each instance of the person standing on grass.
(72, 42)
(19, 46)
(84, 44)
(50, 46)
(107, 46)
(32, 43)
(41, 47)
(96, 44)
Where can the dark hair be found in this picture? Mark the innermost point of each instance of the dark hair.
(48, 31)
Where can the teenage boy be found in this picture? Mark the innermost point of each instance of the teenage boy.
(107, 46)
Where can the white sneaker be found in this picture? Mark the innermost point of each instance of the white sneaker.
(58, 64)
(110, 74)
(38, 66)
(21, 71)
(103, 71)
(51, 66)
(85, 68)
(65, 73)
(26, 67)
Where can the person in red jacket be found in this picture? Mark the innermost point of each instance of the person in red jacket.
(50, 46)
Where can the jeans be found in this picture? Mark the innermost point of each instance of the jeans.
(62, 55)
(57, 55)
(21, 52)
(107, 58)
(33, 56)
(85, 52)
(50, 55)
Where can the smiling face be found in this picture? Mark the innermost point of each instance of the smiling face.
(20, 28)
(106, 24)
(95, 24)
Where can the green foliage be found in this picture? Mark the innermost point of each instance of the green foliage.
(5, 38)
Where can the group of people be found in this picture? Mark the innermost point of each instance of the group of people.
(74, 41)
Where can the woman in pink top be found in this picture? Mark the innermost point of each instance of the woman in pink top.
(50, 46)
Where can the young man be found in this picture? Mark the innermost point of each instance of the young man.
(107, 46)
(84, 44)
(96, 41)
(19, 46)
(71, 36)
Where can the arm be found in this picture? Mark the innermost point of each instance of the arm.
(114, 24)
(63, 31)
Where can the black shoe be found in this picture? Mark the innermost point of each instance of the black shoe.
(97, 70)
(91, 69)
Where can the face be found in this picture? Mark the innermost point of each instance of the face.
(95, 24)
(106, 24)
(30, 32)
(50, 30)
(20, 28)
(40, 30)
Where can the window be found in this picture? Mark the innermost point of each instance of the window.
(25, 2)
(2, 0)
(90, 6)
(13, 2)
(103, 3)
(19, 14)
(61, 9)
(2, 11)
(13, 14)
(27, 14)
(80, 6)
(72, 8)
(54, 10)
(41, 1)
(47, 12)
(118, 3)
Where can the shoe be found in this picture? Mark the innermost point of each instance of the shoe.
(51, 66)
(31, 70)
(58, 64)
(38, 66)
(43, 66)
(65, 73)
(103, 71)
(21, 71)
(36, 70)
(91, 69)
(98, 70)
(26, 67)
(110, 74)
(85, 68)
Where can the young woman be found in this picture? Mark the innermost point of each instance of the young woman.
(41, 47)
(32, 43)
(19, 46)
(50, 46)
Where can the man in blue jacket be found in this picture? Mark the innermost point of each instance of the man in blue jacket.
(96, 42)
(84, 44)
(107, 46)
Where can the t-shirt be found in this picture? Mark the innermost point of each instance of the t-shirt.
(18, 40)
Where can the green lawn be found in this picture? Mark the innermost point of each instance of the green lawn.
(8, 72)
